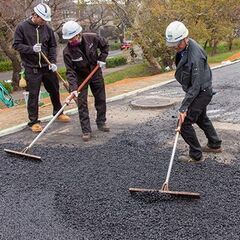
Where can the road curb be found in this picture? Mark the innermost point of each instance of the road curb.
(112, 99)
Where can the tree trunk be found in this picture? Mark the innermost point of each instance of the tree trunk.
(135, 25)
(150, 58)
(13, 56)
(230, 44)
(205, 44)
(214, 47)
(152, 61)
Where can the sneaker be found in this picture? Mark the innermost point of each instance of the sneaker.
(36, 127)
(86, 137)
(188, 159)
(211, 150)
(104, 128)
(63, 118)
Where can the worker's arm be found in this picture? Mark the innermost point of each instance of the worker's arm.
(104, 48)
(18, 42)
(193, 91)
(52, 47)
(70, 73)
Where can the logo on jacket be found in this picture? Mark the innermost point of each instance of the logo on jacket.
(90, 46)
(77, 59)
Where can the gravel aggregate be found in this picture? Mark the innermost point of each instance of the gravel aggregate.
(80, 191)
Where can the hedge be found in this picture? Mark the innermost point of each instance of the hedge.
(116, 61)
(5, 66)
(111, 62)
(114, 46)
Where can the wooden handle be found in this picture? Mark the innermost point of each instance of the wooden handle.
(65, 83)
(86, 80)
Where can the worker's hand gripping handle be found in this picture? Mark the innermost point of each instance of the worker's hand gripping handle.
(179, 125)
(65, 83)
(181, 118)
(87, 79)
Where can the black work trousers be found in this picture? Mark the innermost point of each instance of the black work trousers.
(34, 78)
(197, 114)
(98, 90)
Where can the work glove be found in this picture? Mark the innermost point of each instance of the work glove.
(72, 95)
(53, 67)
(181, 118)
(101, 64)
(37, 47)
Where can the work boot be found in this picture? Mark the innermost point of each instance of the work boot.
(211, 150)
(189, 159)
(36, 127)
(63, 118)
(86, 137)
(103, 127)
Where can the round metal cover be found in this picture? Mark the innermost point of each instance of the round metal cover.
(152, 102)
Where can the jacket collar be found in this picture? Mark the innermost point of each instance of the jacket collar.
(29, 20)
(183, 60)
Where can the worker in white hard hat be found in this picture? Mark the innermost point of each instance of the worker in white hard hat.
(32, 37)
(82, 53)
(195, 76)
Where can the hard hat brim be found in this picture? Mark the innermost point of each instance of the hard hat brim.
(46, 19)
(72, 36)
(172, 44)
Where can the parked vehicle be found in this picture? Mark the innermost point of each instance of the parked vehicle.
(126, 45)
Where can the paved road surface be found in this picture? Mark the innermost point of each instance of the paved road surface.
(80, 190)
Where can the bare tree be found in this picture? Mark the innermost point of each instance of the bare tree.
(94, 14)
(130, 13)
(12, 13)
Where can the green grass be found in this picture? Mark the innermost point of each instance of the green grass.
(138, 70)
(223, 52)
(218, 58)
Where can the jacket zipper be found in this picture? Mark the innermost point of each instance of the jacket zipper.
(39, 54)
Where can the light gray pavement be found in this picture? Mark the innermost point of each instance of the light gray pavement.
(172, 93)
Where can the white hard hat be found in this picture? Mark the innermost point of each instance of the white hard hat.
(175, 32)
(43, 11)
(70, 29)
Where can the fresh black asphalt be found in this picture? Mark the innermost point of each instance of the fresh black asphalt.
(80, 191)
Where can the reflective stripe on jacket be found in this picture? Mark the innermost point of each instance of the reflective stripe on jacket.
(26, 35)
(79, 64)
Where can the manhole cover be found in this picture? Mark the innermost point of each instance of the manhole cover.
(152, 102)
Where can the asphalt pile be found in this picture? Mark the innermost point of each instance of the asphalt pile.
(81, 192)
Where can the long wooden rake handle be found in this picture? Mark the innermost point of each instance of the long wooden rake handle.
(65, 83)
(61, 110)
(82, 85)
(165, 184)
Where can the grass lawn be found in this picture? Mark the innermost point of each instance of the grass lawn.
(218, 58)
(136, 70)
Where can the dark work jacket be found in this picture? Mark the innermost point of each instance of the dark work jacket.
(26, 35)
(79, 64)
(193, 73)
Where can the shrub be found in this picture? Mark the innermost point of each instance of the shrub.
(114, 46)
(62, 72)
(116, 61)
(7, 85)
(5, 66)
(2, 57)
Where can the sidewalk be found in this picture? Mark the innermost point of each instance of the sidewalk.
(11, 117)
(17, 115)
(18, 95)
